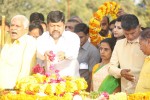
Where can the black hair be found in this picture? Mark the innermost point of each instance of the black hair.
(112, 22)
(145, 34)
(129, 21)
(36, 24)
(56, 16)
(41, 16)
(110, 41)
(81, 27)
(119, 18)
(36, 17)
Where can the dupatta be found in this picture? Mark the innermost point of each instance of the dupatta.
(109, 83)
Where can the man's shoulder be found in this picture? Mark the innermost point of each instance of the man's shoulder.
(93, 48)
(69, 34)
(121, 41)
(43, 36)
(30, 38)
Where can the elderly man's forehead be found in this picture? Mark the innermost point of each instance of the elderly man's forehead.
(16, 20)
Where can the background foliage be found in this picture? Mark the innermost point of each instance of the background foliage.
(82, 8)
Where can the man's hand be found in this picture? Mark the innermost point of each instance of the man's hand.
(47, 54)
(126, 73)
(41, 57)
(61, 55)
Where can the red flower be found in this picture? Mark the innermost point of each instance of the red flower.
(38, 69)
(76, 93)
(47, 74)
(56, 71)
(52, 56)
(51, 67)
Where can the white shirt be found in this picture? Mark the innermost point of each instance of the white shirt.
(69, 43)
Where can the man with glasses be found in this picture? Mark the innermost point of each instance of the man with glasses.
(128, 55)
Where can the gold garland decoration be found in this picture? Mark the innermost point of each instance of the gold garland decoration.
(108, 8)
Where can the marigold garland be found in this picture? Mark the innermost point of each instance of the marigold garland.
(108, 8)
(40, 83)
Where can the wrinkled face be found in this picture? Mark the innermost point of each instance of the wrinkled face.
(17, 29)
(105, 51)
(56, 29)
(83, 38)
(35, 33)
(70, 26)
(118, 31)
(145, 46)
(132, 34)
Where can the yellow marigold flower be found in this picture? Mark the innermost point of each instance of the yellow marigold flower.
(68, 96)
(60, 88)
(33, 87)
(28, 79)
(81, 83)
(43, 87)
(108, 8)
(39, 77)
(118, 96)
(51, 88)
(68, 78)
(71, 86)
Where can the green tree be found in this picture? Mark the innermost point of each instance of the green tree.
(81, 8)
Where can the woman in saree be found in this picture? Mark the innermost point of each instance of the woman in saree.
(101, 80)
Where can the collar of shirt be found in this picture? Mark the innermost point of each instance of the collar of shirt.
(62, 36)
(85, 46)
(147, 58)
(132, 42)
(20, 40)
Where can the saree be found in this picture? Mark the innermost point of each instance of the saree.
(102, 81)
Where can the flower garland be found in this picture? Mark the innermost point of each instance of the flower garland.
(42, 87)
(108, 8)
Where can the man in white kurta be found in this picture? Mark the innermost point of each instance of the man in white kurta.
(64, 44)
(17, 55)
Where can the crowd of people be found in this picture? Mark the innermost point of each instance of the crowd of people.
(120, 62)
